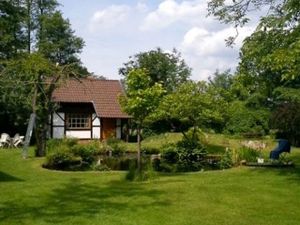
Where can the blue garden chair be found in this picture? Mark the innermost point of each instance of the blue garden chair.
(283, 146)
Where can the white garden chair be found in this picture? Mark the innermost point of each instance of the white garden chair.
(17, 140)
(5, 140)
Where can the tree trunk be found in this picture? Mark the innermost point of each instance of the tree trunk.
(39, 127)
(41, 135)
(139, 148)
(43, 113)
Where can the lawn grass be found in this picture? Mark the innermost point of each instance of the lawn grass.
(215, 143)
(30, 194)
(156, 141)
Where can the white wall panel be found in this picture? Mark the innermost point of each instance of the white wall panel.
(58, 132)
(57, 121)
(96, 122)
(96, 132)
(81, 134)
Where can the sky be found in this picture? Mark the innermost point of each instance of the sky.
(113, 30)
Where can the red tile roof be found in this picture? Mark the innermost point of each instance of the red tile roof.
(102, 93)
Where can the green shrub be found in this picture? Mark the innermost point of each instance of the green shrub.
(54, 144)
(62, 159)
(191, 159)
(70, 142)
(212, 162)
(118, 163)
(248, 154)
(187, 155)
(170, 154)
(226, 161)
(66, 154)
(88, 152)
(168, 161)
(116, 146)
(164, 167)
(156, 164)
(101, 167)
(150, 150)
(112, 163)
(147, 132)
(215, 149)
(191, 152)
(247, 121)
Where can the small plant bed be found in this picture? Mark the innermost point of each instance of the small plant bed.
(277, 164)
(69, 155)
(171, 152)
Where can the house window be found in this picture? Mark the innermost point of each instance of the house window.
(78, 121)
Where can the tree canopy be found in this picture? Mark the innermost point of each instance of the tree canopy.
(194, 103)
(169, 69)
(38, 48)
(282, 15)
(38, 26)
(268, 77)
(11, 32)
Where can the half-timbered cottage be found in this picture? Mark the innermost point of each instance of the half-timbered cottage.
(88, 109)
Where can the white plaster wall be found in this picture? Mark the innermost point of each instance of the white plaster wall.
(58, 132)
(96, 132)
(96, 122)
(81, 134)
(57, 121)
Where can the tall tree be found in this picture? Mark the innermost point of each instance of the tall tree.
(167, 68)
(142, 98)
(34, 11)
(56, 40)
(29, 82)
(50, 44)
(12, 39)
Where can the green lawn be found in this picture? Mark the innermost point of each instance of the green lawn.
(156, 141)
(216, 143)
(30, 194)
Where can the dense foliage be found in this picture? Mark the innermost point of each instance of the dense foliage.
(286, 119)
(38, 49)
(189, 154)
(247, 121)
(169, 69)
(194, 103)
(267, 77)
(142, 98)
(68, 154)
